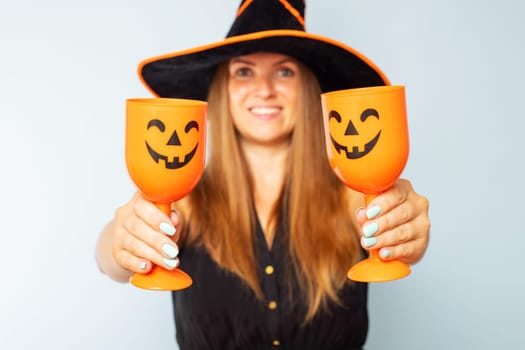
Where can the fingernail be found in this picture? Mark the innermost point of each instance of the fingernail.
(369, 242)
(385, 253)
(370, 229)
(167, 228)
(170, 250)
(373, 212)
(358, 209)
(171, 263)
(143, 265)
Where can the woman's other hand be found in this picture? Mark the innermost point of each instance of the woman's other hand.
(397, 223)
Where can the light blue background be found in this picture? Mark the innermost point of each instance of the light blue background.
(66, 68)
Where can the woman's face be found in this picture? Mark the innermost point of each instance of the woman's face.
(263, 89)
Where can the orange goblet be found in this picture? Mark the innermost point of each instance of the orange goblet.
(366, 137)
(165, 155)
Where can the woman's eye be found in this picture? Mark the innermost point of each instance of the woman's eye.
(243, 72)
(286, 72)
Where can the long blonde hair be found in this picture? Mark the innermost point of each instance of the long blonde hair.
(314, 203)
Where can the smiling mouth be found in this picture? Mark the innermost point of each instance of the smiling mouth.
(355, 153)
(175, 163)
(265, 111)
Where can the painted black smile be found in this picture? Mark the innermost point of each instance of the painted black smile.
(175, 163)
(355, 154)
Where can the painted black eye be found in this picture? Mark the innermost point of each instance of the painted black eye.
(191, 125)
(157, 123)
(370, 112)
(334, 115)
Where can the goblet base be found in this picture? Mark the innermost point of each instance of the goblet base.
(161, 279)
(377, 270)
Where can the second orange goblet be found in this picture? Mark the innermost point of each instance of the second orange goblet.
(366, 137)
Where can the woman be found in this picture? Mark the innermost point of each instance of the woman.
(269, 232)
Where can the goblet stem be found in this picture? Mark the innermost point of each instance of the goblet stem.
(374, 269)
(165, 207)
(160, 278)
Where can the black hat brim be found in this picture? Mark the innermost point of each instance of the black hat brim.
(188, 73)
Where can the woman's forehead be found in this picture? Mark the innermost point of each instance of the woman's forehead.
(262, 56)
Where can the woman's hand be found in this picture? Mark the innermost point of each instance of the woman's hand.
(140, 235)
(396, 222)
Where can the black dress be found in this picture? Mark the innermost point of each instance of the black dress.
(219, 312)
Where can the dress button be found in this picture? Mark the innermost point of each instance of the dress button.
(268, 269)
(276, 343)
(272, 305)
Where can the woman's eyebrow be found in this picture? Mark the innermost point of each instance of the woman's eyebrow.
(285, 60)
(240, 60)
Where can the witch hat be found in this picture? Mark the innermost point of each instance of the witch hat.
(261, 26)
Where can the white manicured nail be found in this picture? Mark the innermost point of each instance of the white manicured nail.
(170, 250)
(167, 228)
(171, 263)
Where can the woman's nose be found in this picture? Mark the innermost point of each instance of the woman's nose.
(265, 87)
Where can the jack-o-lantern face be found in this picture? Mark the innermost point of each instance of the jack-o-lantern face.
(366, 136)
(172, 142)
(165, 146)
(351, 130)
